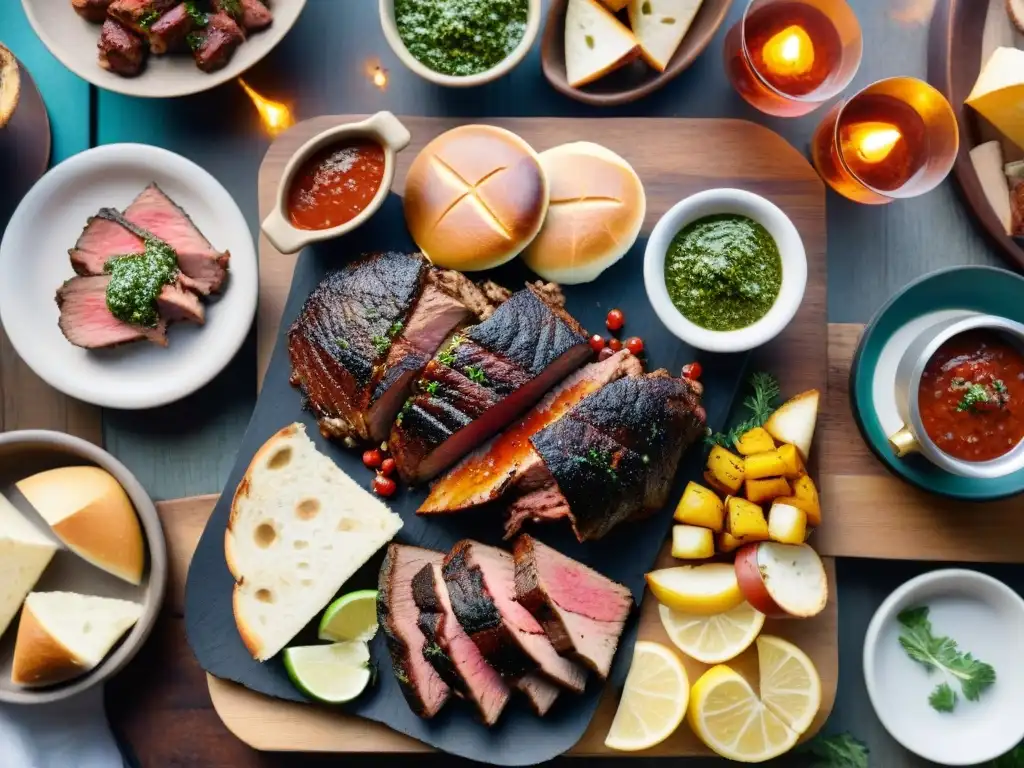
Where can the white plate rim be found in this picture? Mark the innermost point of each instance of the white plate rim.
(243, 252)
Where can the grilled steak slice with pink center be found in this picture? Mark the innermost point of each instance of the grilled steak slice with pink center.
(120, 50)
(92, 10)
(398, 616)
(86, 321)
(217, 42)
(481, 585)
(539, 692)
(455, 657)
(484, 475)
(582, 611)
(167, 34)
(154, 212)
(526, 347)
(137, 15)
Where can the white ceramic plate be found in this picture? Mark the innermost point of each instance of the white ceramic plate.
(34, 261)
(73, 40)
(986, 618)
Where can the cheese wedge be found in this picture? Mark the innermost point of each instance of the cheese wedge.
(596, 42)
(998, 94)
(660, 26)
(24, 554)
(63, 635)
(91, 513)
(987, 160)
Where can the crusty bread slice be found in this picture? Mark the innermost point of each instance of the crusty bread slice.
(10, 85)
(24, 554)
(660, 26)
(595, 42)
(62, 635)
(299, 529)
(91, 513)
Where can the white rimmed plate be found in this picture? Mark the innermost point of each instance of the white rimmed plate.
(986, 618)
(34, 261)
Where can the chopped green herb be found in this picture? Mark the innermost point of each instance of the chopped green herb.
(147, 19)
(446, 358)
(194, 40)
(973, 397)
(839, 751)
(601, 460)
(341, 343)
(476, 374)
(231, 7)
(197, 16)
(395, 329)
(761, 404)
(431, 387)
(943, 698)
(433, 651)
(371, 314)
(136, 280)
(381, 343)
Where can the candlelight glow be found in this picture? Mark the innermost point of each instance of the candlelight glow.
(377, 74)
(790, 52)
(275, 117)
(874, 141)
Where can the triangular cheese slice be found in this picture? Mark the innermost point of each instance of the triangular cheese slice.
(595, 42)
(660, 26)
(998, 94)
(24, 554)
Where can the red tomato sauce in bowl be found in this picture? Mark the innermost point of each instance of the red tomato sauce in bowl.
(971, 396)
(335, 185)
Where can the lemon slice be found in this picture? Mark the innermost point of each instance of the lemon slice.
(351, 617)
(727, 715)
(654, 699)
(332, 674)
(713, 639)
(790, 686)
(704, 589)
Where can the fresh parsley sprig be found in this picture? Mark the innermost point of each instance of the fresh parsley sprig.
(942, 654)
(838, 751)
(760, 403)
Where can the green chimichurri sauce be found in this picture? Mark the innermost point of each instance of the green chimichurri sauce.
(461, 37)
(723, 272)
(136, 280)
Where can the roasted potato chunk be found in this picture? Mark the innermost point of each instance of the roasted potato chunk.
(805, 490)
(794, 464)
(745, 520)
(756, 440)
(726, 542)
(766, 464)
(726, 469)
(765, 489)
(787, 524)
(690, 542)
(701, 506)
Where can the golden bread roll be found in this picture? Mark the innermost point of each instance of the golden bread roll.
(596, 211)
(10, 85)
(475, 197)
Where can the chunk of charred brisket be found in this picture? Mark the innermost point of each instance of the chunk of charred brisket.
(92, 10)
(120, 50)
(139, 15)
(167, 34)
(215, 44)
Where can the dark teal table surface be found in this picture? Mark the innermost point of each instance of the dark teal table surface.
(320, 68)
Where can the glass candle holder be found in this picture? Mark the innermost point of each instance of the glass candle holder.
(896, 138)
(787, 57)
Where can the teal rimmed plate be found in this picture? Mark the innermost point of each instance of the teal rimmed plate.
(959, 291)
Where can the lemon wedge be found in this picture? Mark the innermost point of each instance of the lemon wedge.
(701, 589)
(713, 639)
(654, 699)
(790, 685)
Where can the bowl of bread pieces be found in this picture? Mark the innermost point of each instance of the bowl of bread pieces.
(83, 566)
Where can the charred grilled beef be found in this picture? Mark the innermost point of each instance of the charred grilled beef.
(484, 379)
(216, 43)
(253, 15)
(612, 457)
(120, 50)
(167, 34)
(92, 10)
(139, 15)
(539, 692)
(398, 616)
(582, 612)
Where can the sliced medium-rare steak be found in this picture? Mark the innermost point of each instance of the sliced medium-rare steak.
(217, 42)
(138, 15)
(539, 691)
(454, 655)
(481, 585)
(86, 321)
(167, 34)
(398, 616)
(497, 370)
(582, 611)
(486, 474)
(120, 49)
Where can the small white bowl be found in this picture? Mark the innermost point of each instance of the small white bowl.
(791, 251)
(387, 22)
(986, 618)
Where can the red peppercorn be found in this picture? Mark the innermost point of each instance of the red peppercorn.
(384, 486)
(615, 320)
(635, 344)
(605, 353)
(372, 458)
(596, 343)
(692, 371)
(614, 344)
(387, 467)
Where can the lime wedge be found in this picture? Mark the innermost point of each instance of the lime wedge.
(351, 617)
(332, 674)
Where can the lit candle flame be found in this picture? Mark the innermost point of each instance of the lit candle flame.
(377, 74)
(790, 52)
(874, 141)
(275, 117)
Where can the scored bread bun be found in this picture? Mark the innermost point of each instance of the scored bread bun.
(597, 209)
(10, 85)
(475, 197)
(91, 513)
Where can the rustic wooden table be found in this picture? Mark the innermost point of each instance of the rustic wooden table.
(321, 68)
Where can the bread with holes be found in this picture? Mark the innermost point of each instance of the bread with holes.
(596, 42)
(475, 197)
(299, 528)
(595, 214)
(660, 26)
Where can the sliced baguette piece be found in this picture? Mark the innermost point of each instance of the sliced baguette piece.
(90, 512)
(596, 42)
(299, 528)
(63, 635)
(24, 554)
(660, 26)
(987, 160)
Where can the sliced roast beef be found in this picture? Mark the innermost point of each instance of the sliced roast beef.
(398, 616)
(167, 34)
(86, 322)
(217, 42)
(582, 611)
(484, 475)
(455, 657)
(497, 370)
(155, 213)
(481, 585)
(540, 692)
(120, 50)
(92, 10)
(139, 15)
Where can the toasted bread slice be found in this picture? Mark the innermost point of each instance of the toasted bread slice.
(596, 42)
(660, 26)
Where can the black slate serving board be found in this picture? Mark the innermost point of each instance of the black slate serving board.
(519, 738)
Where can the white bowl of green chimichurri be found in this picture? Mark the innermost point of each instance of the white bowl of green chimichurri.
(725, 270)
(460, 43)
